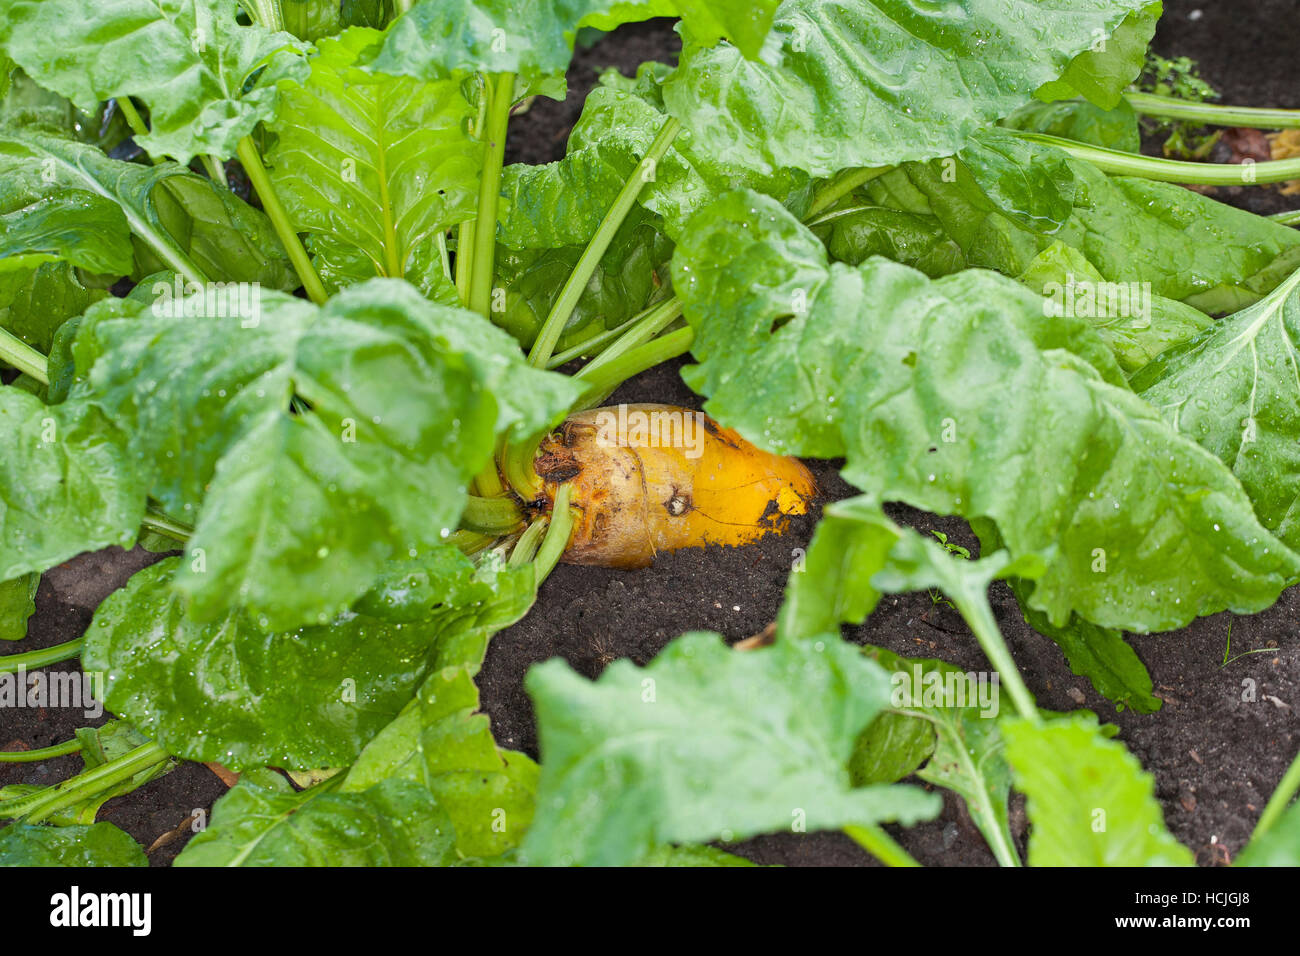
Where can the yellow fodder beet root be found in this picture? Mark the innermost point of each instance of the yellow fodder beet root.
(651, 478)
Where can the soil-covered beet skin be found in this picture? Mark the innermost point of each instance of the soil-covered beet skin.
(650, 478)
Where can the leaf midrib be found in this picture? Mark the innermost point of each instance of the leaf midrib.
(392, 252)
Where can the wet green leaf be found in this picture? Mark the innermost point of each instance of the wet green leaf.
(967, 749)
(374, 167)
(1104, 71)
(313, 697)
(1279, 846)
(878, 82)
(73, 226)
(17, 604)
(67, 484)
(103, 844)
(308, 447)
(957, 396)
(188, 61)
(705, 743)
(1186, 246)
(1235, 390)
(1090, 803)
(534, 38)
(263, 822)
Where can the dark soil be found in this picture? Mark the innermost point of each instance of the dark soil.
(1243, 47)
(1242, 53)
(1216, 757)
(539, 134)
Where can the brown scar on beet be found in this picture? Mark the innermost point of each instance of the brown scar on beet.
(773, 517)
(712, 428)
(557, 467)
(678, 504)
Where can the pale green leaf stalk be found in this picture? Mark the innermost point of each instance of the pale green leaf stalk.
(544, 346)
(499, 91)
